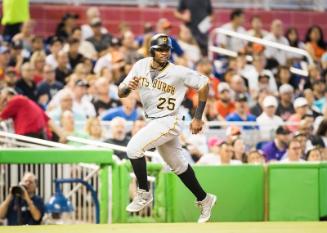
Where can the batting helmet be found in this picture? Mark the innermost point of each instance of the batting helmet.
(160, 41)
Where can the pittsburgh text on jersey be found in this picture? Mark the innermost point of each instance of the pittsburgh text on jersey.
(160, 85)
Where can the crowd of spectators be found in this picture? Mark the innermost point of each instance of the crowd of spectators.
(72, 77)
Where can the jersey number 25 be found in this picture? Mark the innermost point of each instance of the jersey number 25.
(168, 103)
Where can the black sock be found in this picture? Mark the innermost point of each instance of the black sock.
(191, 182)
(139, 167)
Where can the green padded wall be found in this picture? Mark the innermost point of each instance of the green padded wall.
(240, 191)
(293, 192)
(323, 190)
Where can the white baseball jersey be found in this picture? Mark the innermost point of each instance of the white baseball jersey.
(163, 95)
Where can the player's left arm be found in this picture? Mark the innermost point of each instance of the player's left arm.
(197, 122)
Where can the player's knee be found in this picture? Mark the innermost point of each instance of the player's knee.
(134, 151)
(179, 168)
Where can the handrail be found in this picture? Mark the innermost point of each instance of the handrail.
(265, 42)
(104, 145)
(34, 140)
(258, 41)
(249, 58)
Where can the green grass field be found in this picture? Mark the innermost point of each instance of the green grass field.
(262, 227)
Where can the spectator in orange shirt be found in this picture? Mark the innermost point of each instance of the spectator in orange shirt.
(314, 42)
(225, 105)
(204, 66)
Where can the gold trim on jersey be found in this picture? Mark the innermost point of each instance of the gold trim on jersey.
(161, 135)
(158, 84)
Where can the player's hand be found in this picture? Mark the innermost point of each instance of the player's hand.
(196, 126)
(134, 83)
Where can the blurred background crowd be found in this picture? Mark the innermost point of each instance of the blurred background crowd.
(258, 111)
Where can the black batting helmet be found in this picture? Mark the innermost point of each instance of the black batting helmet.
(160, 41)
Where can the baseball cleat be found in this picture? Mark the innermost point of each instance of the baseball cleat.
(205, 207)
(141, 200)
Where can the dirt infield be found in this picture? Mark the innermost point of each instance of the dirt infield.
(262, 227)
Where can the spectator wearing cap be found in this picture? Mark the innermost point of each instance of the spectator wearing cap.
(48, 87)
(99, 40)
(56, 45)
(285, 107)
(268, 121)
(67, 24)
(81, 101)
(4, 60)
(128, 110)
(26, 85)
(164, 26)
(225, 105)
(91, 14)
(274, 150)
(301, 108)
(74, 56)
(86, 48)
(293, 153)
(241, 113)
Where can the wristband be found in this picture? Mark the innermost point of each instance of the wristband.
(126, 90)
(199, 110)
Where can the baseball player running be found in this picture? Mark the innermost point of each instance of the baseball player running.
(162, 86)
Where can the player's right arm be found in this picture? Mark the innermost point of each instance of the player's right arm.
(125, 89)
(130, 82)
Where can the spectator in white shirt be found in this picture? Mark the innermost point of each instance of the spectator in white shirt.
(268, 121)
(80, 99)
(91, 13)
(253, 72)
(276, 56)
(293, 153)
(235, 25)
(55, 47)
(224, 156)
